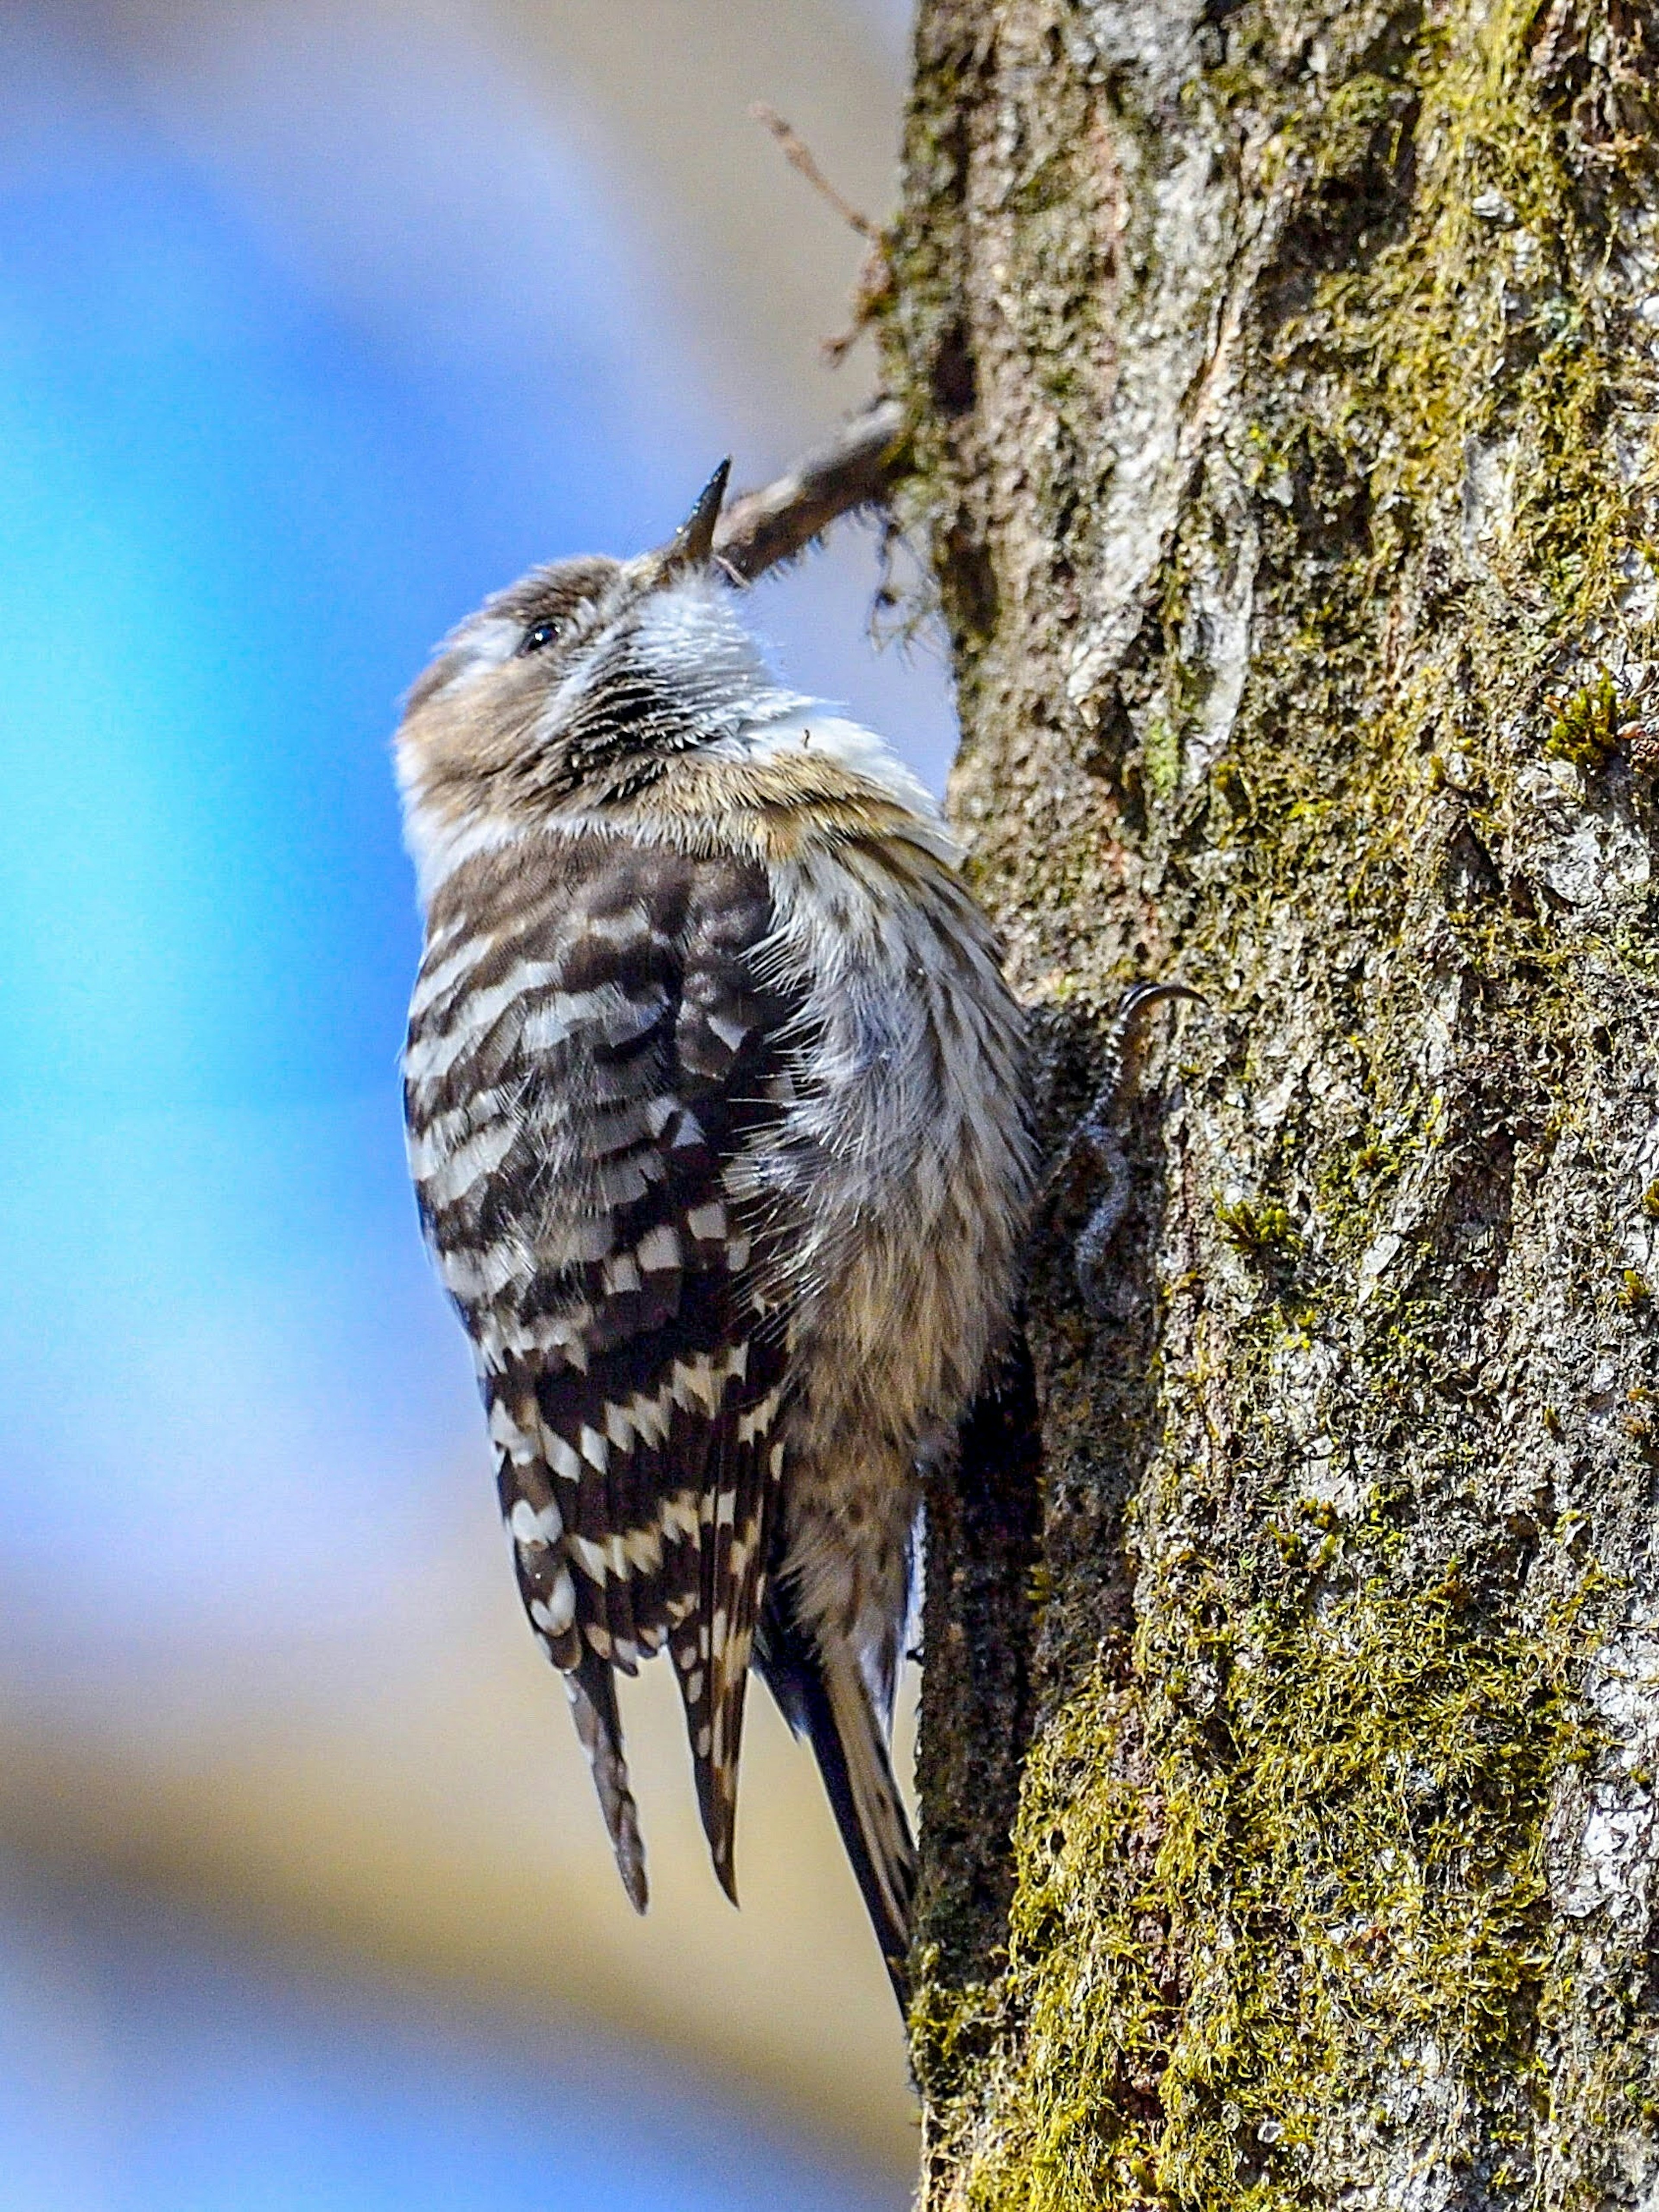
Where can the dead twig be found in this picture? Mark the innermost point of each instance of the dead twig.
(799, 156)
(874, 286)
(854, 468)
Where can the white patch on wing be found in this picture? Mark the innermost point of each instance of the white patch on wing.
(577, 1242)
(429, 1057)
(436, 978)
(559, 1016)
(535, 1528)
(504, 1334)
(702, 1379)
(659, 1250)
(756, 1422)
(592, 1559)
(650, 1415)
(731, 1034)
(681, 1514)
(505, 1431)
(632, 925)
(643, 1550)
(481, 1155)
(438, 1138)
(560, 1456)
(485, 1271)
(555, 1615)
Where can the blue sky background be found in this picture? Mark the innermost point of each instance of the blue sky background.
(245, 480)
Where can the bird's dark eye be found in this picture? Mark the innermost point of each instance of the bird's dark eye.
(539, 635)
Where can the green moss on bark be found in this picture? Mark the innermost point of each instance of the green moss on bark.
(1318, 1878)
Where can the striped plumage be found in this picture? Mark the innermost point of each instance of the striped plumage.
(713, 1090)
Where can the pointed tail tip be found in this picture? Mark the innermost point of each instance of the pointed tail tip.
(717, 1802)
(629, 1846)
(630, 1865)
(722, 1852)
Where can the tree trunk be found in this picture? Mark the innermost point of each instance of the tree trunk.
(1285, 382)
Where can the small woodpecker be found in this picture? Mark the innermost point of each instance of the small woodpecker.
(716, 1115)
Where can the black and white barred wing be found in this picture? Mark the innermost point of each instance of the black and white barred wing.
(588, 1052)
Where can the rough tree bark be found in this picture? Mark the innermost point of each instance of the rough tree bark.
(1283, 383)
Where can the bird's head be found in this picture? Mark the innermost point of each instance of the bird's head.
(580, 684)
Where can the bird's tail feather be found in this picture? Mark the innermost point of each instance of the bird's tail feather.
(593, 1689)
(825, 1698)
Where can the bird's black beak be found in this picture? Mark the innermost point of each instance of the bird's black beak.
(692, 545)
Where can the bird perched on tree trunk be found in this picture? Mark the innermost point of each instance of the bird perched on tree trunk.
(714, 1106)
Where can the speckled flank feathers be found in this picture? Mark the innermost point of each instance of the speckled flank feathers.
(714, 1099)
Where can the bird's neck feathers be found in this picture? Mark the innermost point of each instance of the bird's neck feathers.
(751, 764)
(687, 642)
(769, 766)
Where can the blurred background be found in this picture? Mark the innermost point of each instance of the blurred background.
(317, 322)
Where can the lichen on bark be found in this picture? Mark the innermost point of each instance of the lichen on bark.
(1285, 387)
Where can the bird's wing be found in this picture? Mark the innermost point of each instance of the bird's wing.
(627, 1042)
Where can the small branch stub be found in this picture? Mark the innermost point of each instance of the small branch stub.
(854, 468)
